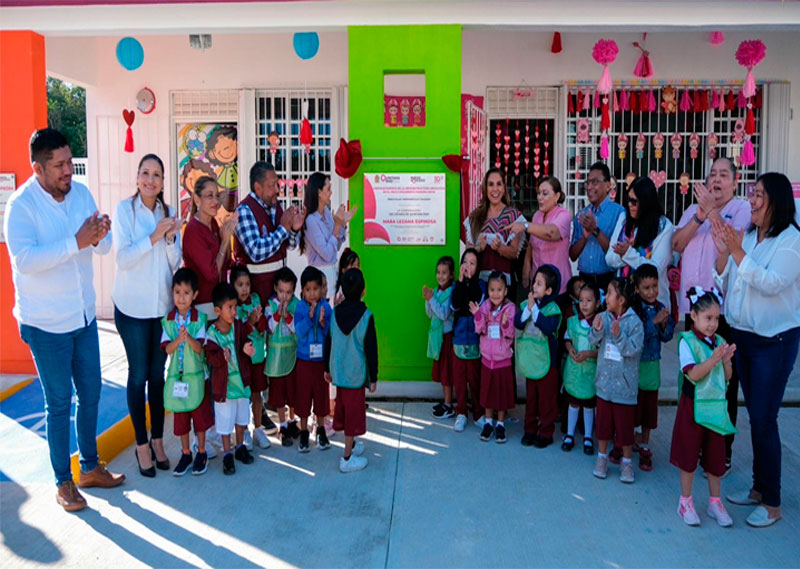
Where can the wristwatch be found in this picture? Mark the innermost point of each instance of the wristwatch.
(697, 219)
(526, 225)
(596, 232)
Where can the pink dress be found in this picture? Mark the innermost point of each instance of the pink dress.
(555, 253)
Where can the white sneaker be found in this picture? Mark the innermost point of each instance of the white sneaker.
(261, 438)
(461, 422)
(626, 472)
(248, 439)
(716, 511)
(687, 513)
(358, 448)
(480, 423)
(211, 452)
(355, 463)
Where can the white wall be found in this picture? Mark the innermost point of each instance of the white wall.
(511, 57)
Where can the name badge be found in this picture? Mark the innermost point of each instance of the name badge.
(315, 351)
(612, 353)
(284, 328)
(494, 331)
(180, 390)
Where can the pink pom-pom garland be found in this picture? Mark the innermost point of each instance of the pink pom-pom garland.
(605, 51)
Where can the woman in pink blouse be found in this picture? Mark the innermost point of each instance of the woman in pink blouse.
(206, 246)
(549, 231)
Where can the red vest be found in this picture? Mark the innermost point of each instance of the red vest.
(264, 220)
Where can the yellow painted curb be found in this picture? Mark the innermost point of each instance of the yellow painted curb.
(15, 388)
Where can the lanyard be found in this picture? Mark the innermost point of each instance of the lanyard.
(181, 321)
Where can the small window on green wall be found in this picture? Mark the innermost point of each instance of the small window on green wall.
(404, 99)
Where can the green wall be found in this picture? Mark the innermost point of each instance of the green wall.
(395, 274)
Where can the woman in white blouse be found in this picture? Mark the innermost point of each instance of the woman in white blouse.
(147, 244)
(643, 235)
(760, 272)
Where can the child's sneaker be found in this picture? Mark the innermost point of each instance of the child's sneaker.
(302, 446)
(461, 423)
(626, 472)
(500, 434)
(294, 430)
(268, 424)
(687, 512)
(243, 455)
(260, 438)
(645, 459)
(200, 464)
(716, 511)
(601, 466)
(444, 412)
(487, 431)
(286, 437)
(228, 466)
(210, 450)
(322, 438)
(615, 456)
(588, 446)
(184, 464)
(358, 448)
(329, 427)
(438, 408)
(353, 464)
(248, 439)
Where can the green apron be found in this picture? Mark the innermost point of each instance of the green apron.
(649, 375)
(258, 339)
(710, 405)
(533, 350)
(282, 352)
(579, 377)
(236, 387)
(188, 368)
(436, 331)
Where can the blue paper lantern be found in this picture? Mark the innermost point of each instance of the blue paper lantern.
(130, 53)
(306, 44)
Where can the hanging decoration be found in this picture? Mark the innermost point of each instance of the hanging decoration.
(686, 101)
(614, 102)
(130, 53)
(128, 116)
(623, 101)
(497, 145)
(684, 180)
(506, 146)
(605, 116)
(570, 105)
(652, 106)
(597, 99)
(644, 68)
(730, 100)
(675, 141)
(306, 134)
(274, 140)
(516, 150)
(613, 191)
(146, 101)
(659, 177)
(587, 101)
(622, 145)
(555, 46)
(536, 150)
(757, 104)
(694, 145)
(633, 102)
(583, 131)
(527, 158)
(641, 142)
(578, 161)
(741, 101)
(546, 148)
(604, 53)
(714, 98)
(669, 95)
(738, 131)
(716, 38)
(306, 44)
(604, 150)
(658, 145)
(749, 54)
(712, 140)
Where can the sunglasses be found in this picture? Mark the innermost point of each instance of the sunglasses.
(633, 201)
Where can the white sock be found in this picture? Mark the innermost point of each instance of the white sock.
(284, 425)
(627, 460)
(572, 420)
(588, 422)
(501, 424)
(602, 454)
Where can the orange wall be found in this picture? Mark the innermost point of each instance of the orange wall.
(23, 109)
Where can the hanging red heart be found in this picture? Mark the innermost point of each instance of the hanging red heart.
(497, 145)
(516, 145)
(537, 150)
(516, 133)
(516, 171)
(129, 116)
(527, 161)
(527, 139)
(506, 138)
(516, 155)
(516, 163)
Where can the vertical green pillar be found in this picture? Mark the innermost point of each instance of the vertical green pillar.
(395, 274)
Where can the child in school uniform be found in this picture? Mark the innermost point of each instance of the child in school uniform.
(227, 349)
(658, 329)
(580, 368)
(249, 309)
(702, 419)
(186, 392)
(351, 364)
(539, 320)
(282, 351)
(619, 335)
(440, 334)
(466, 362)
(494, 323)
(312, 323)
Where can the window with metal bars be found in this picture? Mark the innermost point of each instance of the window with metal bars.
(642, 134)
(279, 117)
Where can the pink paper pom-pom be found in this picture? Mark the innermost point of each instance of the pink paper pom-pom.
(750, 53)
(717, 38)
(605, 51)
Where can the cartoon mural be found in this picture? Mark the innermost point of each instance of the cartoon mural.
(411, 111)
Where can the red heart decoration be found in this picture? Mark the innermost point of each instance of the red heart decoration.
(659, 178)
(527, 139)
(128, 116)
(516, 132)
(516, 163)
(497, 145)
(516, 155)
(536, 151)
(516, 145)
(516, 171)
(527, 160)
(506, 157)
(507, 138)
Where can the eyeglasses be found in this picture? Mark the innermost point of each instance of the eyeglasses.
(594, 181)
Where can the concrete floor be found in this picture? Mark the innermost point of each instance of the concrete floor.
(430, 497)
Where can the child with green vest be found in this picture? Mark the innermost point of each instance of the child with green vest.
(440, 334)
(282, 351)
(580, 368)
(658, 329)
(249, 309)
(351, 364)
(227, 351)
(186, 391)
(539, 320)
(702, 419)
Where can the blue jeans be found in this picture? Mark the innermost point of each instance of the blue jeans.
(61, 361)
(146, 360)
(764, 365)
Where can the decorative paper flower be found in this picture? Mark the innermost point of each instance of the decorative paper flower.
(749, 54)
(605, 51)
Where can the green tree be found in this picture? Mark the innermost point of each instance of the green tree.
(66, 112)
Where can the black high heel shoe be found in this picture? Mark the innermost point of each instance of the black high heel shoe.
(160, 464)
(146, 472)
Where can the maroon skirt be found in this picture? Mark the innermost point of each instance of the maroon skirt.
(497, 388)
(443, 367)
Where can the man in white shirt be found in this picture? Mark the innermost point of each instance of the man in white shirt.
(52, 227)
